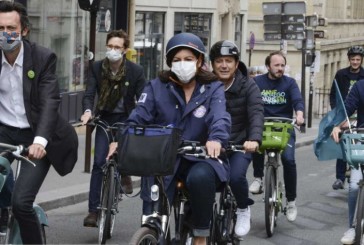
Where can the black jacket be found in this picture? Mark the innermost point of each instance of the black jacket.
(41, 101)
(245, 105)
(343, 81)
(134, 76)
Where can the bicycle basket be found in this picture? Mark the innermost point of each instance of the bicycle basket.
(275, 135)
(147, 150)
(353, 148)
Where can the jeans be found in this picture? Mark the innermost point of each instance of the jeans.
(239, 163)
(355, 177)
(27, 186)
(101, 151)
(201, 182)
(289, 168)
(340, 169)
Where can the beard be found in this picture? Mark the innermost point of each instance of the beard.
(276, 75)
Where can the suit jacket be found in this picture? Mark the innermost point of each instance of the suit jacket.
(134, 76)
(41, 101)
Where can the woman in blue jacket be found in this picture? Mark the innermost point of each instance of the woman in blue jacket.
(192, 99)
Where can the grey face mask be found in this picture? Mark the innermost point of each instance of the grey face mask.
(9, 42)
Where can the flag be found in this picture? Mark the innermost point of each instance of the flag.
(325, 147)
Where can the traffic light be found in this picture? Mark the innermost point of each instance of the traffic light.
(92, 6)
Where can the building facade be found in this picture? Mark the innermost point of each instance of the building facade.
(78, 36)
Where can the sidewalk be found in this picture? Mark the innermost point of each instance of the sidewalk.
(73, 188)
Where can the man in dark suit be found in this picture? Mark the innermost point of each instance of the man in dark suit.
(117, 82)
(29, 102)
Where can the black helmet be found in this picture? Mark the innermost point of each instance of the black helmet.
(356, 50)
(223, 48)
(185, 39)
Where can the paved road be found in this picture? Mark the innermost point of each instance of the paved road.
(322, 213)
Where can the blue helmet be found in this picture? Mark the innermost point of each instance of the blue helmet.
(185, 39)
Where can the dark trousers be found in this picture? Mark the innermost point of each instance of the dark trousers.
(289, 168)
(340, 169)
(26, 187)
(239, 163)
(101, 151)
(201, 182)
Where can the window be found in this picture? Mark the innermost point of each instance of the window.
(62, 27)
(149, 39)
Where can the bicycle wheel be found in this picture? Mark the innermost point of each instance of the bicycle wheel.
(270, 199)
(106, 205)
(115, 202)
(144, 235)
(359, 226)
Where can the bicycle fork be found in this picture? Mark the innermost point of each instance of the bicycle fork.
(273, 160)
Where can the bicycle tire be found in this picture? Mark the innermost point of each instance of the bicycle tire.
(115, 203)
(144, 235)
(359, 226)
(106, 205)
(270, 197)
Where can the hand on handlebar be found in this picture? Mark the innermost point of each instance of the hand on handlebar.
(299, 119)
(213, 148)
(250, 146)
(335, 134)
(36, 151)
(86, 117)
(112, 150)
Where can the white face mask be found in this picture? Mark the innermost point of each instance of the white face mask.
(184, 70)
(9, 43)
(114, 55)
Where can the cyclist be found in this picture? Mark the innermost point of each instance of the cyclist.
(118, 83)
(191, 98)
(245, 105)
(29, 102)
(281, 97)
(345, 79)
(353, 102)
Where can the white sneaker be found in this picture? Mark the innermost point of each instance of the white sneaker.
(349, 237)
(257, 186)
(242, 226)
(291, 211)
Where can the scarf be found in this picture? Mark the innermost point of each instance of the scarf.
(112, 86)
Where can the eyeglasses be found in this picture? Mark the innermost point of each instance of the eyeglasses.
(114, 47)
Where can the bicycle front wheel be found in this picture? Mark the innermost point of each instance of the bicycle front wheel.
(270, 199)
(359, 226)
(107, 193)
(144, 235)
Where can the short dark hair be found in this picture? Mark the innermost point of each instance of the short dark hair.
(7, 6)
(121, 34)
(269, 57)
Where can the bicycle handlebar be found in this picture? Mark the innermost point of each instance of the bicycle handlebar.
(301, 128)
(18, 151)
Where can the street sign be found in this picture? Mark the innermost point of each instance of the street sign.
(272, 19)
(320, 33)
(272, 8)
(310, 39)
(312, 20)
(293, 27)
(322, 21)
(293, 18)
(272, 28)
(294, 7)
(272, 36)
(293, 36)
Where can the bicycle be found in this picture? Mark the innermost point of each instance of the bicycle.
(224, 214)
(352, 142)
(156, 227)
(13, 231)
(276, 135)
(111, 186)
